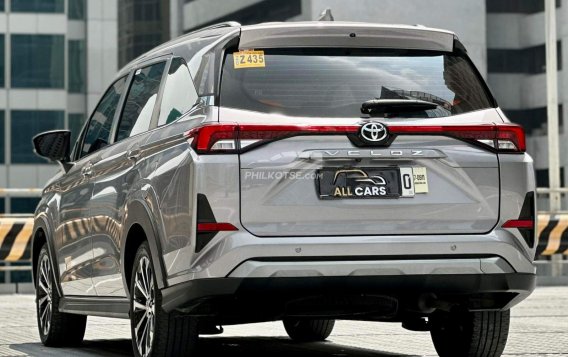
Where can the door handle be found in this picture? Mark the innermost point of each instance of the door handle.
(133, 154)
(87, 170)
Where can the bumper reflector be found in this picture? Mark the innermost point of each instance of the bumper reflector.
(519, 223)
(215, 227)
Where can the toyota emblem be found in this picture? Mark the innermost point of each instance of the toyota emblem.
(374, 132)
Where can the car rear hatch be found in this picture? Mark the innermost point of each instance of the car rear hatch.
(312, 164)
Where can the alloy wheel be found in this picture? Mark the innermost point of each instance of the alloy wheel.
(144, 307)
(44, 295)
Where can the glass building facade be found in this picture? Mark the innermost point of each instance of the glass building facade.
(42, 6)
(37, 61)
(25, 125)
(142, 25)
(44, 82)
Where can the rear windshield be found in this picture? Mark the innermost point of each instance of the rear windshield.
(335, 82)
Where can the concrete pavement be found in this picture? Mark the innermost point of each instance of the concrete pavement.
(539, 327)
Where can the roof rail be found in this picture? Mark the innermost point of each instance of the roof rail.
(219, 25)
(214, 26)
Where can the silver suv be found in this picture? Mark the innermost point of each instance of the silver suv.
(302, 172)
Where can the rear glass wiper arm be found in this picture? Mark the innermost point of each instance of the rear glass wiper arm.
(396, 105)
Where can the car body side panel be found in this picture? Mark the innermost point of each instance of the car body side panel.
(173, 183)
(517, 179)
(158, 185)
(138, 213)
(113, 176)
(72, 230)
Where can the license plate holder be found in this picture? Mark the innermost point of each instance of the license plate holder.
(364, 183)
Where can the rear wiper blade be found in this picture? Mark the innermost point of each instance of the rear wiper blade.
(396, 105)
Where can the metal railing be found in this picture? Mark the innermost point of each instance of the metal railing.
(8, 267)
(20, 192)
(548, 190)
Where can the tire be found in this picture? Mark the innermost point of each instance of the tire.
(155, 332)
(470, 334)
(308, 330)
(56, 329)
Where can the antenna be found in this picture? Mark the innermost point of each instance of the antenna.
(326, 15)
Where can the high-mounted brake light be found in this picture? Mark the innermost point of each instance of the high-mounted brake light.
(235, 138)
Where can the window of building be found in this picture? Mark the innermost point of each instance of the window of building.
(179, 93)
(76, 66)
(2, 205)
(261, 11)
(2, 64)
(534, 120)
(25, 125)
(542, 177)
(23, 204)
(37, 6)
(76, 122)
(2, 8)
(2, 152)
(147, 10)
(76, 9)
(98, 132)
(37, 61)
(142, 25)
(517, 6)
(530, 60)
(140, 101)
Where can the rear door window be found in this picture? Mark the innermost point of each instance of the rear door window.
(335, 82)
(140, 101)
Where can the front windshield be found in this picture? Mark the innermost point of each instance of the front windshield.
(335, 82)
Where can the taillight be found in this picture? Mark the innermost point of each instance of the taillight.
(233, 138)
(217, 138)
(501, 138)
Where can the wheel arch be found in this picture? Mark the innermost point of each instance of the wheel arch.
(40, 236)
(139, 227)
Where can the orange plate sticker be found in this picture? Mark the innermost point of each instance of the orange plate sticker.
(248, 59)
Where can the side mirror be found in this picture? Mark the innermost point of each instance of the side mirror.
(54, 145)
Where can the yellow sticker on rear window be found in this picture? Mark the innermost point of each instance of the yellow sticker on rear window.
(248, 59)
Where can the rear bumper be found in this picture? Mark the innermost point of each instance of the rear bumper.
(276, 295)
(356, 266)
(225, 255)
